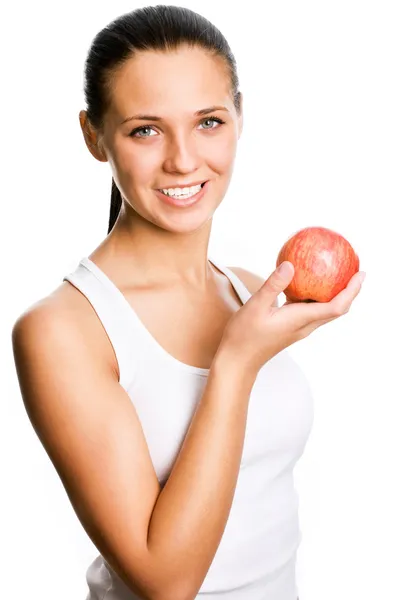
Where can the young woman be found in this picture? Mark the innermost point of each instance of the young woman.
(156, 379)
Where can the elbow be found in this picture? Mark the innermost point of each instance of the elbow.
(171, 583)
(177, 591)
(177, 596)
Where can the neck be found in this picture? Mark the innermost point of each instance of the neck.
(155, 256)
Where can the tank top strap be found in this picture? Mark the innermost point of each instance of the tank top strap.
(238, 285)
(119, 320)
(115, 315)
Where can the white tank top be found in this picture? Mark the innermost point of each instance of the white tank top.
(256, 557)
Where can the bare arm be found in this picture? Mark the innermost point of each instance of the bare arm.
(158, 542)
(192, 510)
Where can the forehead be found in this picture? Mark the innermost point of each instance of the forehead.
(183, 80)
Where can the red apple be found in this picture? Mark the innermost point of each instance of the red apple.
(324, 262)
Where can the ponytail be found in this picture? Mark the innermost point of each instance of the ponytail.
(116, 203)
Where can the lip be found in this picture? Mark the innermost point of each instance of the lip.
(186, 202)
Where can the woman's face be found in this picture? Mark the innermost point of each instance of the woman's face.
(179, 148)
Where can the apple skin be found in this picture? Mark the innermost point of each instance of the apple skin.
(324, 262)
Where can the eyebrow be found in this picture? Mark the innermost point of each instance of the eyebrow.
(198, 113)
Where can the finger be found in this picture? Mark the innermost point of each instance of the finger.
(339, 305)
(276, 283)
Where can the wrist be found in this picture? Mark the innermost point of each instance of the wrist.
(232, 365)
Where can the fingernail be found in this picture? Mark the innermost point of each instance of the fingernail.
(284, 268)
(362, 276)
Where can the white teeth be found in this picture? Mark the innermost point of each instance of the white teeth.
(188, 191)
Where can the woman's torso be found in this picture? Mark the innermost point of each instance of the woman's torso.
(175, 337)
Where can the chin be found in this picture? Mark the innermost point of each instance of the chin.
(184, 224)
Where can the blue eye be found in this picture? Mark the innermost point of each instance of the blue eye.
(215, 119)
(150, 128)
(138, 129)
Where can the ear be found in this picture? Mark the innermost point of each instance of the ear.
(241, 115)
(240, 125)
(92, 138)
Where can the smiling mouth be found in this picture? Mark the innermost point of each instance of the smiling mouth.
(183, 186)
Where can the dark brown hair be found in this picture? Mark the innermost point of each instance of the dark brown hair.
(150, 28)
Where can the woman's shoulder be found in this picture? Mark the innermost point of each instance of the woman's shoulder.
(60, 313)
(64, 303)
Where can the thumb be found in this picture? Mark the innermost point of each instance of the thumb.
(278, 281)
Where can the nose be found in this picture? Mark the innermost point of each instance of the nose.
(182, 155)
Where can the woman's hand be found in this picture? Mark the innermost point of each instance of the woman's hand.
(258, 330)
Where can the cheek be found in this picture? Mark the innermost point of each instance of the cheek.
(220, 155)
(136, 164)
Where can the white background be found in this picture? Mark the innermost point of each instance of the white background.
(320, 147)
